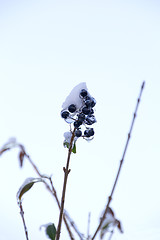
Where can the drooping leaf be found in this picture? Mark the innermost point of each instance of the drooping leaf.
(3, 150)
(26, 186)
(74, 148)
(119, 225)
(21, 157)
(51, 231)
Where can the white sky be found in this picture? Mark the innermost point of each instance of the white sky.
(46, 48)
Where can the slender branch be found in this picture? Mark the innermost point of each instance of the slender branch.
(121, 162)
(24, 223)
(64, 214)
(73, 225)
(66, 172)
(88, 229)
(111, 235)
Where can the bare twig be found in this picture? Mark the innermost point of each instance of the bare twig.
(73, 225)
(66, 172)
(111, 235)
(23, 219)
(121, 162)
(88, 229)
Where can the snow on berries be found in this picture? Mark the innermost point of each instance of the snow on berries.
(77, 110)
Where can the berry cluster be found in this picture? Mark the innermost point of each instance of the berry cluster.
(83, 115)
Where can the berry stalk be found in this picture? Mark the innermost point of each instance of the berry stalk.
(66, 172)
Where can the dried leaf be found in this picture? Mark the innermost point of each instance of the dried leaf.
(21, 157)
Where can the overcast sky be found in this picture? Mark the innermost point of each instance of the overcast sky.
(48, 47)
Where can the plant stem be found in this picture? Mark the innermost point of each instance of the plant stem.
(66, 172)
(121, 162)
(24, 223)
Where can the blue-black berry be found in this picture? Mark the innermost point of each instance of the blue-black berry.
(93, 102)
(89, 132)
(72, 108)
(78, 133)
(90, 119)
(83, 93)
(77, 124)
(81, 117)
(65, 114)
(85, 110)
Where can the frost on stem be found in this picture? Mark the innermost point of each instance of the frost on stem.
(78, 111)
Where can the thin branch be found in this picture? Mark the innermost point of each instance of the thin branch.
(64, 214)
(66, 172)
(88, 229)
(121, 162)
(73, 225)
(23, 220)
(111, 235)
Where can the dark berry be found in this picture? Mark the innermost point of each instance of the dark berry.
(88, 103)
(77, 124)
(65, 114)
(86, 134)
(91, 111)
(91, 132)
(90, 119)
(78, 133)
(83, 93)
(85, 110)
(93, 102)
(81, 117)
(72, 108)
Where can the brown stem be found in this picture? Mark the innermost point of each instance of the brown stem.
(24, 223)
(121, 162)
(66, 172)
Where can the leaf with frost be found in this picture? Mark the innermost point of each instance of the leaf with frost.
(109, 223)
(66, 143)
(7, 146)
(50, 230)
(73, 97)
(29, 182)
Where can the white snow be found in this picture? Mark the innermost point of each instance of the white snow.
(73, 97)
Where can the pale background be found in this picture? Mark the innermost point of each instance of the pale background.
(46, 48)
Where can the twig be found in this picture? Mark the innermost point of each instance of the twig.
(64, 214)
(66, 172)
(121, 162)
(88, 229)
(73, 225)
(22, 215)
(111, 234)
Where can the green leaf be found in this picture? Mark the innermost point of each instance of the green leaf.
(26, 186)
(51, 231)
(66, 144)
(74, 148)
